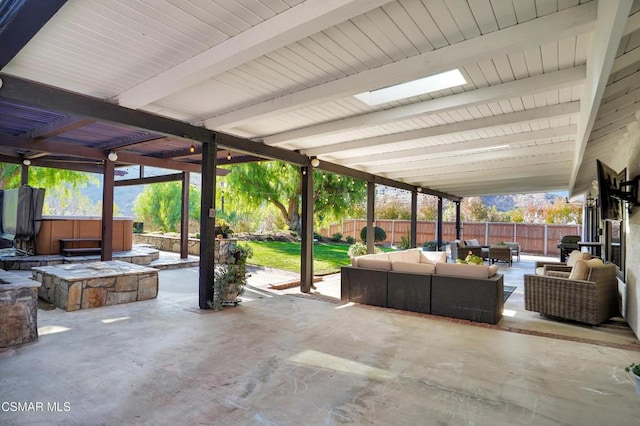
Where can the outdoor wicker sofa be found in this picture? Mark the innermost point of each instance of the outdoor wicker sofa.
(392, 280)
(592, 298)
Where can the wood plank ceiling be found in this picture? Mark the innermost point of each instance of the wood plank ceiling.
(551, 84)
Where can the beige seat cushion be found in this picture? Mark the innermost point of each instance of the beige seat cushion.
(466, 271)
(373, 261)
(575, 256)
(413, 267)
(433, 257)
(411, 255)
(581, 269)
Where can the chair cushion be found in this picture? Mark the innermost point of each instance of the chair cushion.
(575, 256)
(466, 271)
(582, 268)
(395, 255)
(373, 261)
(411, 255)
(413, 267)
(433, 257)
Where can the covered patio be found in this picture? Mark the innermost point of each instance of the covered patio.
(549, 87)
(285, 357)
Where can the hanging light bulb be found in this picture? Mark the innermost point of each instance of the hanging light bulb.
(229, 155)
(192, 149)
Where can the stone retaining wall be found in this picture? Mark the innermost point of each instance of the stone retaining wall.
(18, 310)
(172, 244)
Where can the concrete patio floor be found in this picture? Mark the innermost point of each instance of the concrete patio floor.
(280, 359)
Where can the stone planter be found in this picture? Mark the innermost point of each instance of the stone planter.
(18, 310)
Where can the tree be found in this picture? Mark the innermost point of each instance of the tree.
(44, 177)
(392, 208)
(160, 205)
(253, 185)
(473, 209)
(563, 212)
(60, 186)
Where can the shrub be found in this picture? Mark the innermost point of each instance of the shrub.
(359, 249)
(378, 234)
(337, 237)
(405, 242)
(350, 240)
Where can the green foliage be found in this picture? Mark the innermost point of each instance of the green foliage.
(633, 368)
(350, 240)
(392, 208)
(337, 237)
(159, 206)
(405, 242)
(230, 279)
(378, 234)
(44, 177)
(60, 199)
(357, 249)
(430, 245)
(223, 228)
(252, 186)
(471, 259)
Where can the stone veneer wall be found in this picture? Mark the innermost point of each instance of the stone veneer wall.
(91, 285)
(172, 244)
(18, 310)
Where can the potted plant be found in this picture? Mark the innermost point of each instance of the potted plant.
(229, 279)
(430, 245)
(222, 229)
(634, 369)
(471, 259)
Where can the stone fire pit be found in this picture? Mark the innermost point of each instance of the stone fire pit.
(90, 285)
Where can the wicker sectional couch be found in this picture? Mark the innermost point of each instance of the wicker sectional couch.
(418, 281)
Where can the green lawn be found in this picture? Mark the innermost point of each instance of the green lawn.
(327, 258)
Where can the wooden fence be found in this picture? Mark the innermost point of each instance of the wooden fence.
(533, 238)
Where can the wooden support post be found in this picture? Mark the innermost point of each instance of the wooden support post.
(184, 217)
(371, 202)
(414, 219)
(306, 270)
(24, 175)
(439, 225)
(458, 222)
(107, 210)
(207, 224)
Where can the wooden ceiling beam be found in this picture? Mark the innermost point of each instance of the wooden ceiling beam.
(532, 34)
(293, 24)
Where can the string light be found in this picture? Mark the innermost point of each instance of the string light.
(192, 149)
(229, 155)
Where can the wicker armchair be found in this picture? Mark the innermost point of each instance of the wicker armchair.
(561, 269)
(591, 301)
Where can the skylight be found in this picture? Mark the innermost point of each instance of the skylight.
(433, 83)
